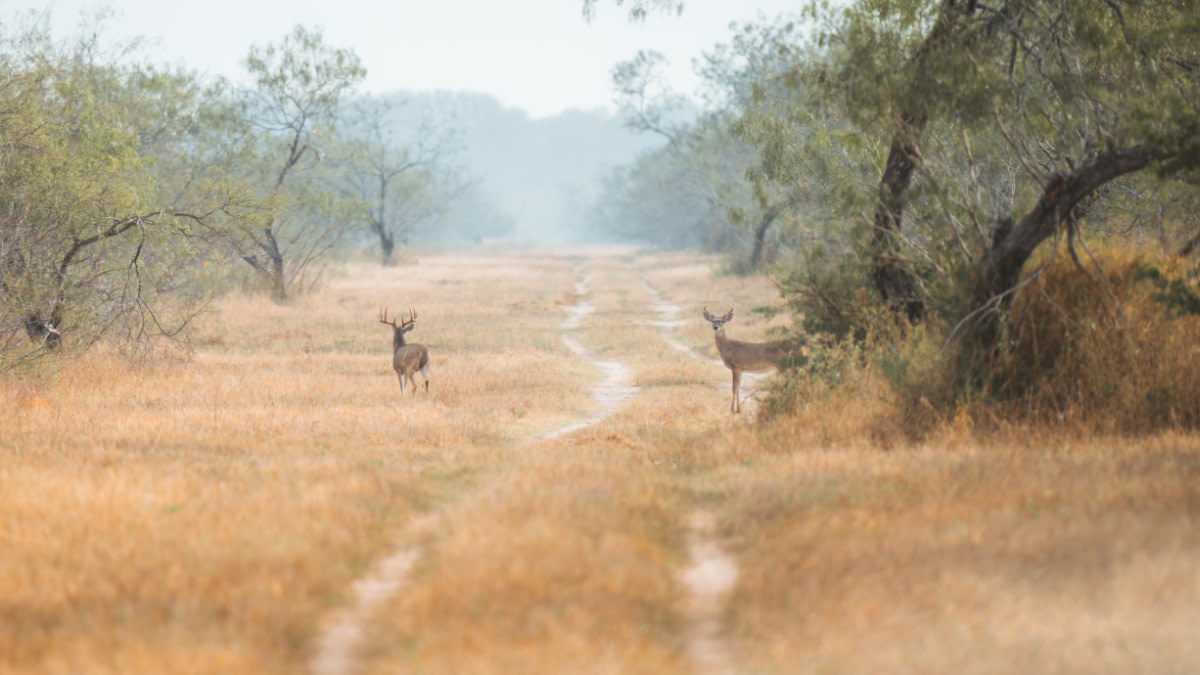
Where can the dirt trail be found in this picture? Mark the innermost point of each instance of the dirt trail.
(667, 322)
(342, 632)
(711, 573)
(612, 392)
(709, 578)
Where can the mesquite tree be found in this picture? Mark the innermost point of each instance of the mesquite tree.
(993, 127)
(403, 177)
(100, 234)
(300, 84)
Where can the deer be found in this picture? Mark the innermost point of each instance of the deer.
(740, 356)
(407, 359)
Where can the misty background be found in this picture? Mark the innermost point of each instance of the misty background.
(536, 177)
(520, 93)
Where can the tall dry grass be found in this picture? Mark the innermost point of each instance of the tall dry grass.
(206, 518)
(203, 518)
(569, 562)
(1020, 554)
(1103, 351)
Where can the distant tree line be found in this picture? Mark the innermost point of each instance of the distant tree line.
(130, 192)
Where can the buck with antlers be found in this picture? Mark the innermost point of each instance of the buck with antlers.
(407, 359)
(741, 356)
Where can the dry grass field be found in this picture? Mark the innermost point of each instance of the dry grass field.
(211, 517)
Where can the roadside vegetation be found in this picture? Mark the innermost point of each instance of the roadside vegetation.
(989, 209)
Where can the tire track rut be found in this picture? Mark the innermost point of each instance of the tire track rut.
(615, 389)
(343, 629)
(711, 573)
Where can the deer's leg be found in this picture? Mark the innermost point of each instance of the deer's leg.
(425, 374)
(400, 374)
(736, 406)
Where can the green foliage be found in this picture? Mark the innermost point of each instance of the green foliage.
(831, 296)
(827, 367)
(999, 100)
(91, 244)
(403, 186)
(1179, 294)
(124, 186)
(694, 191)
(644, 99)
(638, 9)
(680, 196)
(300, 84)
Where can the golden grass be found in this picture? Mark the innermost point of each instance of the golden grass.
(1126, 367)
(219, 509)
(1060, 555)
(563, 567)
(205, 518)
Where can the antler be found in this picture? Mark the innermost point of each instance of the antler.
(383, 317)
(710, 317)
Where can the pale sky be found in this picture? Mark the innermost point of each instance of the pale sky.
(538, 55)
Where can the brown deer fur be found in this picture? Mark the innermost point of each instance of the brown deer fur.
(407, 358)
(742, 356)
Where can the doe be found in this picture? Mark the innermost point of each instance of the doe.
(740, 356)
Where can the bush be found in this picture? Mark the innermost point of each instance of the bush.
(1115, 355)
(1117, 352)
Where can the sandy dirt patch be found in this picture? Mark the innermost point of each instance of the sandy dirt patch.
(615, 389)
(709, 578)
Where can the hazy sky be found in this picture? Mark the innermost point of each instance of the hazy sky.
(539, 55)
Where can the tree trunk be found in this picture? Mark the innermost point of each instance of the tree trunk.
(274, 271)
(1190, 246)
(760, 235)
(387, 244)
(1001, 268)
(387, 241)
(1012, 245)
(893, 280)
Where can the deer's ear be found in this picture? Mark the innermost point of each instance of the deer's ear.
(728, 316)
(409, 327)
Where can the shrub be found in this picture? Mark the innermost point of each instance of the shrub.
(1115, 352)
